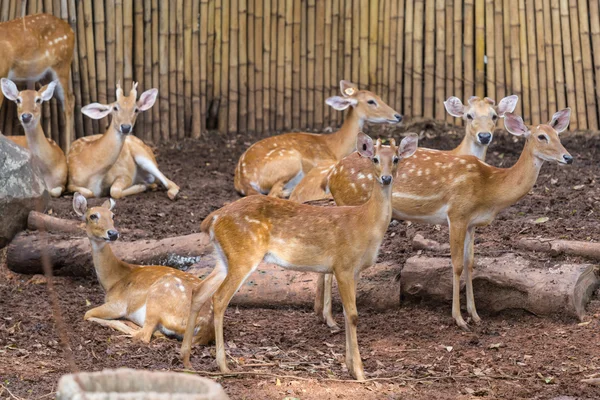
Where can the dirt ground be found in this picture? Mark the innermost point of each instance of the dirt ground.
(414, 352)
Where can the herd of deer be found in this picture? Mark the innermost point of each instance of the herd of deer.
(371, 183)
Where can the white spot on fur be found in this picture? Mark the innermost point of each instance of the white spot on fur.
(370, 177)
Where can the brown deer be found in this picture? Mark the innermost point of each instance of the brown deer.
(153, 297)
(47, 154)
(276, 164)
(116, 162)
(37, 46)
(338, 240)
(464, 192)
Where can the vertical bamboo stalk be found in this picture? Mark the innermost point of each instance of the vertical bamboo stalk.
(588, 68)
(173, 67)
(480, 23)
(88, 128)
(5, 10)
(76, 71)
(267, 64)
(394, 38)
(163, 58)
(273, 61)
(326, 60)
(458, 52)
(372, 26)
(507, 48)
(311, 62)
(515, 57)
(339, 74)
(221, 56)
(211, 61)
(180, 98)
(189, 19)
(119, 44)
(550, 81)
(31, 7)
(259, 66)
(54, 9)
(91, 55)
(280, 66)
(578, 66)
(469, 61)
(348, 26)
(251, 45)
(440, 59)
(595, 32)
(449, 46)
(499, 52)
(490, 52)
(568, 61)
(379, 50)
(363, 41)
(111, 79)
(559, 76)
(401, 58)
(157, 80)
(534, 90)
(356, 17)
(138, 59)
(524, 62)
(242, 113)
(233, 65)
(147, 64)
(319, 67)
(408, 60)
(100, 42)
(418, 71)
(541, 55)
(128, 42)
(287, 98)
(384, 40)
(430, 48)
(199, 66)
(304, 66)
(296, 21)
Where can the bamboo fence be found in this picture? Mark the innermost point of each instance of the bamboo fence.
(254, 66)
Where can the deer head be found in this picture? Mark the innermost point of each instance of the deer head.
(29, 102)
(99, 221)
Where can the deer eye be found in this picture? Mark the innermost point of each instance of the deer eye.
(376, 160)
(494, 117)
(470, 116)
(372, 102)
(543, 138)
(18, 101)
(137, 110)
(115, 108)
(94, 217)
(396, 160)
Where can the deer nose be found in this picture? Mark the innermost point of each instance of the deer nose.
(125, 128)
(386, 179)
(112, 235)
(26, 118)
(398, 117)
(568, 158)
(484, 137)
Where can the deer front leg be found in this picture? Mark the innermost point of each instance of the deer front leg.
(85, 192)
(458, 232)
(122, 187)
(347, 287)
(469, 261)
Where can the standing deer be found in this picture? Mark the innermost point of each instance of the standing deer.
(338, 240)
(47, 154)
(34, 47)
(153, 297)
(116, 162)
(276, 164)
(481, 116)
(464, 192)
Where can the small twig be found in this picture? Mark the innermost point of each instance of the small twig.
(10, 393)
(258, 365)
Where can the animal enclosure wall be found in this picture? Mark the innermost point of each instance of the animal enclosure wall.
(269, 65)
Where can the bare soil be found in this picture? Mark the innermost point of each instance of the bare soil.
(414, 352)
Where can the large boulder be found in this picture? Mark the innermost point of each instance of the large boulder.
(22, 189)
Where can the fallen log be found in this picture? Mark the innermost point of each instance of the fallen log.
(556, 247)
(507, 282)
(37, 221)
(74, 256)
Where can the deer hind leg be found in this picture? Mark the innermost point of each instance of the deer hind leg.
(122, 187)
(150, 324)
(85, 192)
(469, 261)
(458, 233)
(106, 311)
(347, 287)
(323, 300)
(151, 167)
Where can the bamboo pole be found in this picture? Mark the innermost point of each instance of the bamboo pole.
(498, 36)
(220, 57)
(88, 127)
(550, 81)
(173, 61)
(408, 60)
(534, 89)
(578, 66)
(326, 55)
(299, 66)
(568, 61)
(128, 43)
(280, 66)
(162, 56)
(287, 98)
(52, 7)
(76, 71)
(541, 55)
(489, 79)
(356, 18)
(401, 58)
(138, 59)
(384, 39)
(363, 42)
(339, 74)
(319, 61)
(515, 57)
(595, 33)
(242, 110)
(273, 70)
(304, 65)
(147, 65)
(559, 76)
(449, 47)
(31, 7)
(507, 49)
(233, 65)
(588, 68)
(394, 38)
(458, 52)
(189, 19)
(212, 88)
(469, 60)
(119, 44)
(259, 66)
(251, 44)
(440, 59)
(480, 48)
(91, 52)
(180, 96)
(526, 99)
(310, 69)
(379, 64)
(157, 47)
(267, 65)
(199, 66)
(417, 75)
(430, 48)
(348, 26)
(370, 15)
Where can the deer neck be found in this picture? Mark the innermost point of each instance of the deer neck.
(511, 184)
(469, 146)
(343, 142)
(37, 142)
(379, 208)
(109, 268)
(110, 146)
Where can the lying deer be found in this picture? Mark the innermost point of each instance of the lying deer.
(276, 164)
(338, 240)
(34, 47)
(464, 192)
(116, 162)
(481, 116)
(47, 154)
(153, 297)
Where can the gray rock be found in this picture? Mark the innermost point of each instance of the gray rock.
(22, 189)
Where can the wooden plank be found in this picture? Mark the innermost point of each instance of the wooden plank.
(128, 43)
(319, 64)
(189, 19)
(242, 110)
(75, 72)
(225, 70)
(173, 67)
(501, 89)
(100, 51)
(304, 66)
(310, 69)
(328, 14)
(394, 38)
(138, 60)
(199, 66)
(295, 76)
(372, 12)
(83, 64)
(111, 43)
(508, 50)
(91, 56)
(156, 77)
(440, 60)
(363, 42)
(288, 15)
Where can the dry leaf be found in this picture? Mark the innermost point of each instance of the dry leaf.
(541, 220)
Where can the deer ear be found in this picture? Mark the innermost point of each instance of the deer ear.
(79, 204)
(147, 99)
(454, 107)
(341, 103)
(507, 105)
(560, 120)
(408, 145)
(110, 204)
(348, 88)
(96, 110)
(9, 89)
(47, 91)
(515, 125)
(364, 145)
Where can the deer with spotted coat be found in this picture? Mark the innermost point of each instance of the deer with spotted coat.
(153, 297)
(116, 163)
(464, 192)
(275, 165)
(339, 240)
(47, 154)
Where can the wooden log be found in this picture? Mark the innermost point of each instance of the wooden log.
(225, 68)
(128, 43)
(501, 86)
(189, 19)
(138, 61)
(278, 109)
(400, 59)
(556, 247)
(199, 67)
(355, 25)
(147, 66)
(37, 221)
(234, 66)
(380, 56)
(319, 101)
(515, 56)
(210, 61)
(173, 70)
(363, 42)
(469, 43)
(310, 68)
(506, 25)
(594, 12)
(100, 54)
(267, 65)
(421, 243)
(325, 25)
(507, 282)
(76, 72)
(524, 61)
(393, 39)
(296, 69)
